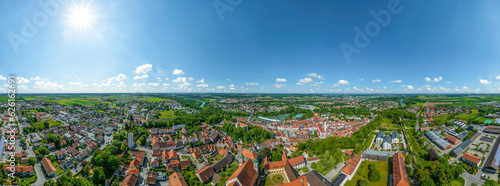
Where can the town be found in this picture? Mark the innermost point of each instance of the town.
(209, 139)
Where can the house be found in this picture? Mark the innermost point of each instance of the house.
(25, 171)
(51, 146)
(151, 178)
(471, 159)
(176, 179)
(375, 155)
(400, 177)
(48, 167)
(222, 163)
(452, 139)
(68, 164)
(245, 175)
(348, 153)
(60, 154)
(205, 174)
(394, 137)
(130, 180)
(380, 137)
(351, 166)
(139, 155)
(387, 143)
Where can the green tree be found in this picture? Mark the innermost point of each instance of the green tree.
(364, 182)
(222, 181)
(99, 176)
(49, 182)
(374, 174)
(32, 161)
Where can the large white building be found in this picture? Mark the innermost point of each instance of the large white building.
(130, 140)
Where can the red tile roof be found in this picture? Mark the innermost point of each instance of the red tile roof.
(400, 177)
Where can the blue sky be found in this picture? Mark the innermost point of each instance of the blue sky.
(252, 46)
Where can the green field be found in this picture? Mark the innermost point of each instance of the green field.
(362, 173)
(459, 100)
(166, 114)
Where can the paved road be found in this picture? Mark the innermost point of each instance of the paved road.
(334, 171)
(469, 178)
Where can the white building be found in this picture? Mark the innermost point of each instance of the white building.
(130, 140)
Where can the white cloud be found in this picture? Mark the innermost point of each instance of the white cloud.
(280, 80)
(438, 79)
(121, 85)
(154, 84)
(317, 83)
(191, 79)
(498, 77)
(278, 85)
(221, 87)
(202, 85)
(200, 81)
(410, 87)
(141, 77)
(143, 69)
(484, 81)
(47, 86)
(179, 79)
(2, 78)
(184, 85)
(361, 79)
(121, 77)
(231, 86)
(178, 72)
(343, 82)
(376, 80)
(304, 81)
(166, 84)
(75, 83)
(314, 75)
(138, 85)
(36, 78)
(498, 88)
(21, 80)
(252, 84)
(166, 78)
(396, 81)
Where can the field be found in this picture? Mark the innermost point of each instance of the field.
(362, 173)
(167, 114)
(88, 101)
(458, 100)
(434, 104)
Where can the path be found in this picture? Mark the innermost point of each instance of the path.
(334, 171)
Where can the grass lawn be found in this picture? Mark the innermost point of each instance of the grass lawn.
(386, 123)
(362, 173)
(167, 114)
(58, 169)
(368, 140)
(29, 179)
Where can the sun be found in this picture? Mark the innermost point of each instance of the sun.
(81, 18)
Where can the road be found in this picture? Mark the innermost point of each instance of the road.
(469, 178)
(329, 176)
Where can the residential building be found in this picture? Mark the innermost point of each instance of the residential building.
(400, 177)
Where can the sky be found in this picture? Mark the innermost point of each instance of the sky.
(281, 46)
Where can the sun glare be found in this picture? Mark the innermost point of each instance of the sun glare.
(81, 17)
